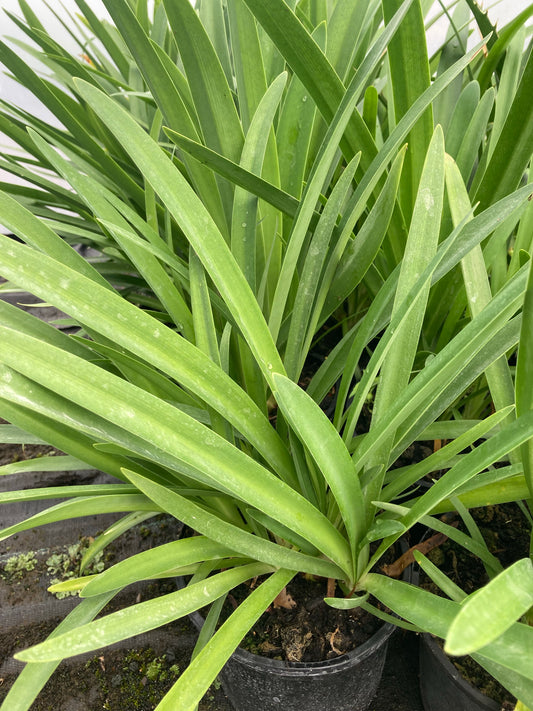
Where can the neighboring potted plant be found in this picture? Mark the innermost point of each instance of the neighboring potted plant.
(245, 189)
(487, 613)
(460, 683)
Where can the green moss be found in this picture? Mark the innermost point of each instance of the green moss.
(17, 565)
(138, 683)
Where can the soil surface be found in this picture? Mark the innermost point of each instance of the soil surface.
(300, 627)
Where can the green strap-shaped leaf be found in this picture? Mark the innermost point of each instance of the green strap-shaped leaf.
(196, 679)
(372, 176)
(111, 534)
(248, 61)
(351, 259)
(463, 110)
(447, 586)
(143, 617)
(43, 464)
(251, 237)
(514, 148)
(401, 481)
(60, 436)
(477, 284)
(302, 329)
(524, 376)
(57, 103)
(346, 28)
(490, 611)
(446, 366)
(474, 134)
(65, 492)
(419, 251)
(207, 456)
(499, 44)
(30, 17)
(251, 84)
(9, 434)
(212, 17)
(204, 326)
(155, 562)
(205, 331)
(211, 93)
(24, 224)
(348, 265)
(502, 492)
(63, 423)
(101, 30)
(84, 506)
(507, 85)
(485, 454)
(54, 191)
(237, 174)
(41, 409)
(145, 376)
(321, 167)
(326, 447)
(244, 225)
(294, 131)
(454, 48)
(409, 74)
(379, 312)
(94, 196)
(311, 66)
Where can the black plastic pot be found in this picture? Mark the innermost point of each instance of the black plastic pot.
(442, 687)
(347, 683)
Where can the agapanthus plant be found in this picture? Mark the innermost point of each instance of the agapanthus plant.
(247, 175)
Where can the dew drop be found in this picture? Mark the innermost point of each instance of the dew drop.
(243, 224)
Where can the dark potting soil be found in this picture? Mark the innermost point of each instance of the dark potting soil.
(506, 532)
(10, 453)
(300, 627)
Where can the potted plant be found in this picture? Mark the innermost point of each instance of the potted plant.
(244, 185)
